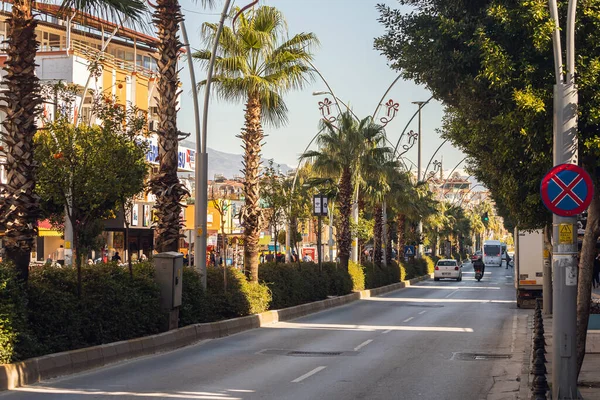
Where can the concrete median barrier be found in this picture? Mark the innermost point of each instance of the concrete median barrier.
(53, 365)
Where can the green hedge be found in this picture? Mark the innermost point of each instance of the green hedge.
(15, 340)
(376, 276)
(113, 306)
(357, 274)
(241, 298)
(292, 285)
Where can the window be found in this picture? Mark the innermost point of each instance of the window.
(447, 263)
(491, 250)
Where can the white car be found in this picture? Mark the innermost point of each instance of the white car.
(447, 269)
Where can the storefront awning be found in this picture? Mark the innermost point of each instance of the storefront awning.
(44, 232)
(45, 229)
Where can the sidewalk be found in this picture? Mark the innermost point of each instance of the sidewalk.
(589, 377)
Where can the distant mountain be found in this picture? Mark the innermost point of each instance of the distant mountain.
(230, 165)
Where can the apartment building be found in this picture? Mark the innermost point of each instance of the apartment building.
(86, 51)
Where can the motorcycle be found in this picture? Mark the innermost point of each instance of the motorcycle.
(478, 273)
(478, 268)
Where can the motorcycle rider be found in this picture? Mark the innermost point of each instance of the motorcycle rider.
(478, 264)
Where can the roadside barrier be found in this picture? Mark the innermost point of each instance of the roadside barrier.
(539, 387)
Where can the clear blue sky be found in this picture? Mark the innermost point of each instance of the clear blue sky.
(357, 73)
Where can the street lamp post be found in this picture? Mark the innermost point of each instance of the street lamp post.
(201, 195)
(564, 255)
(419, 177)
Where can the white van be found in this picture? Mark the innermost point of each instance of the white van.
(492, 253)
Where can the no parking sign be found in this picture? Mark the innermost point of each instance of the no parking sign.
(567, 190)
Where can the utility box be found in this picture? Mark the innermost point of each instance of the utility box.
(168, 268)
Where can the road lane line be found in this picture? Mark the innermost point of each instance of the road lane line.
(450, 294)
(387, 331)
(363, 344)
(308, 374)
(422, 312)
(408, 319)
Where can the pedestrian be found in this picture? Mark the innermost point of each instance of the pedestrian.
(596, 281)
(116, 257)
(213, 260)
(60, 255)
(507, 259)
(186, 260)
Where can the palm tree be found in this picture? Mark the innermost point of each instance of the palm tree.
(257, 64)
(20, 203)
(378, 172)
(343, 151)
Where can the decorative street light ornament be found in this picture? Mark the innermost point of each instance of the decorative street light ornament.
(437, 166)
(392, 109)
(325, 108)
(320, 205)
(412, 140)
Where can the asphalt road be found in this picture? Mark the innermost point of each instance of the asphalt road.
(409, 344)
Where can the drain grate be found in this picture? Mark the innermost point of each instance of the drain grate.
(297, 353)
(315, 353)
(479, 356)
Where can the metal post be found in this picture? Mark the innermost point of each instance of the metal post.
(419, 172)
(564, 257)
(319, 248)
(330, 209)
(355, 216)
(186, 44)
(201, 197)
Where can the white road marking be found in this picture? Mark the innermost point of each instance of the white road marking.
(422, 312)
(308, 374)
(363, 344)
(450, 294)
(408, 319)
(387, 331)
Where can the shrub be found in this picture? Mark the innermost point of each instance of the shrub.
(429, 265)
(113, 306)
(241, 298)
(15, 341)
(357, 274)
(376, 276)
(340, 281)
(291, 286)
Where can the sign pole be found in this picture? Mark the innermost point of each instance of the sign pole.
(319, 250)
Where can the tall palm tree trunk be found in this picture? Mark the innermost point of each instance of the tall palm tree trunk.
(20, 208)
(378, 235)
(252, 136)
(165, 185)
(345, 203)
(388, 244)
(401, 228)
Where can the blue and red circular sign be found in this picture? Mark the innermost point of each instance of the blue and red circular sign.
(567, 190)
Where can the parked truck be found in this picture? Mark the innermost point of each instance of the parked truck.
(529, 263)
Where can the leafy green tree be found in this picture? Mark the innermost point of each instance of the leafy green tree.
(97, 165)
(257, 63)
(491, 64)
(273, 194)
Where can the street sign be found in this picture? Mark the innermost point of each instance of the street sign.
(567, 190)
(320, 205)
(409, 251)
(565, 234)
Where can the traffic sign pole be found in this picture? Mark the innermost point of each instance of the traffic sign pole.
(564, 255)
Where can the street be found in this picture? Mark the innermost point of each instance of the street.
(409, 344)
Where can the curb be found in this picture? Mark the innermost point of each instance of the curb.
(75, 361)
